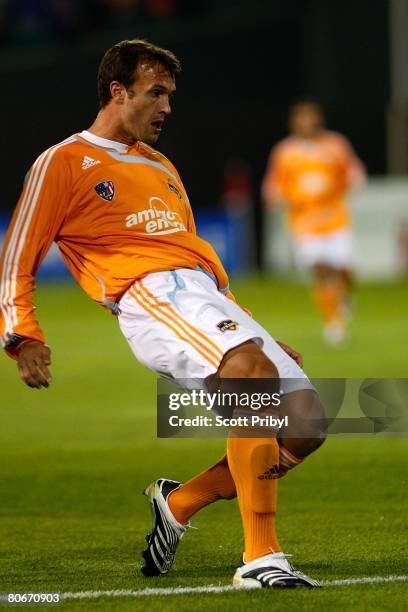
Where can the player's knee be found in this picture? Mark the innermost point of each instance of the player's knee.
(320, 421)
(305, 446)
(247, 361)
(307, 428)
(315, 428)
(311, 444)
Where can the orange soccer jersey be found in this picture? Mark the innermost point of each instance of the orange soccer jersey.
(312, 177)
(116, 213)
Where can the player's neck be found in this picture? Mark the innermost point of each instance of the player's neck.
(308, 135)
(106, 125)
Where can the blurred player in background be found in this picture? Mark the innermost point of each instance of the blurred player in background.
(311, 171)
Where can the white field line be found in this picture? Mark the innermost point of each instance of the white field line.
(218, 589)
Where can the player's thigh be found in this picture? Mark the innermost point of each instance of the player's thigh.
(340, 250)
(308, 251)
(179, 325)
(292, 376)
(306, 415)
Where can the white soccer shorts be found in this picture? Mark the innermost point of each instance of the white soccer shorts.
(180, 325)
(334, 249)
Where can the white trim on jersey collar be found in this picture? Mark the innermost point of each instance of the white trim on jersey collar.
(104, 142)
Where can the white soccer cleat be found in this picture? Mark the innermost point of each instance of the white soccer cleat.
(166, 532)
(271, 571)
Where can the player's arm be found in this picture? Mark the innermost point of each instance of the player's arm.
(34, 225)
(271, 188)
(191, 227)
(356, 176)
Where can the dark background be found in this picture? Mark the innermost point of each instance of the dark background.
(243, 63)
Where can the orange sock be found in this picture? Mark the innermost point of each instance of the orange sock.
(253, 464)
(326, 300)
(209, 486)
(329, 297)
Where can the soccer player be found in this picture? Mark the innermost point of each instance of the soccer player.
(311, 171)
(120, 215)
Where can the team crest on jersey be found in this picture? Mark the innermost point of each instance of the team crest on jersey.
(174, 189)
(105, 190)
(228, 324)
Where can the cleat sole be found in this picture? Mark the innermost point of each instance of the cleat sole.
(150, 568)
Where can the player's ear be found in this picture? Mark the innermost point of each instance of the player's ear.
(117, 91)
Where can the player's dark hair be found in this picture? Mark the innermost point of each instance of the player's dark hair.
(120, 62)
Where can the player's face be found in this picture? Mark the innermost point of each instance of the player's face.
(146, 104)
(306, 121)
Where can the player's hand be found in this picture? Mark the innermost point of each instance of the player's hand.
(292, 353)
(32, 362)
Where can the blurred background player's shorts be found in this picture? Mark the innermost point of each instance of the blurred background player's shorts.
(333, 249)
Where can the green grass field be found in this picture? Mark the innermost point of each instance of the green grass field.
(75, 458)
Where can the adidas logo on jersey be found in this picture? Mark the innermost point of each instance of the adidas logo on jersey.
(88, 162)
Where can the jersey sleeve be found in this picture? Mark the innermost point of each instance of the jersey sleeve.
(272, 185)
(191, 226)
(35, 223)
(355, 171)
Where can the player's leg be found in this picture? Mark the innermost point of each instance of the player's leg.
(253, 463)
(329, 257)
(250, 458)
(306, 430)
(213, 484)
(347, 278)
(305, 434)
(217, 482)
(331, 290)
(168, 333)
